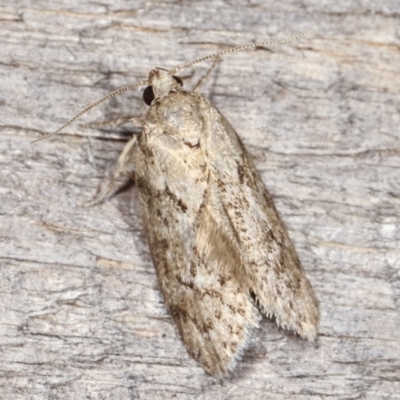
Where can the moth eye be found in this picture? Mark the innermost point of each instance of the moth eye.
(148, 95)
(179, 80)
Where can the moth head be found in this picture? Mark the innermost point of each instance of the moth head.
(161, 84)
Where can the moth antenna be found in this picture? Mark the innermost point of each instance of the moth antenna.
(240, 48)
(173, 71)
(95, 104)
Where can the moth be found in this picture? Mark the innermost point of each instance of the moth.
(221, 251)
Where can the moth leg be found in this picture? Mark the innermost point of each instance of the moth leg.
(124, 167)
(207, 75)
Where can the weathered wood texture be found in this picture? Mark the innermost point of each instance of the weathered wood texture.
(81, 316)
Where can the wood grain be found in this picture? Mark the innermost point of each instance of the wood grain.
(81, 316)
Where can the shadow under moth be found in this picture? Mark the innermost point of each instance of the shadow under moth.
(222, 254)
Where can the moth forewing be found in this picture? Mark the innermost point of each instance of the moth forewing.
(215, 236)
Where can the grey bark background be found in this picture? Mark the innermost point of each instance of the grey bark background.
(81, 316)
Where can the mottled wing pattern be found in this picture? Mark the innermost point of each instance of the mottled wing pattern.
(242, 207)
(215, 314)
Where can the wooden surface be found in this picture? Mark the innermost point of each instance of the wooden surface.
(81, 316)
